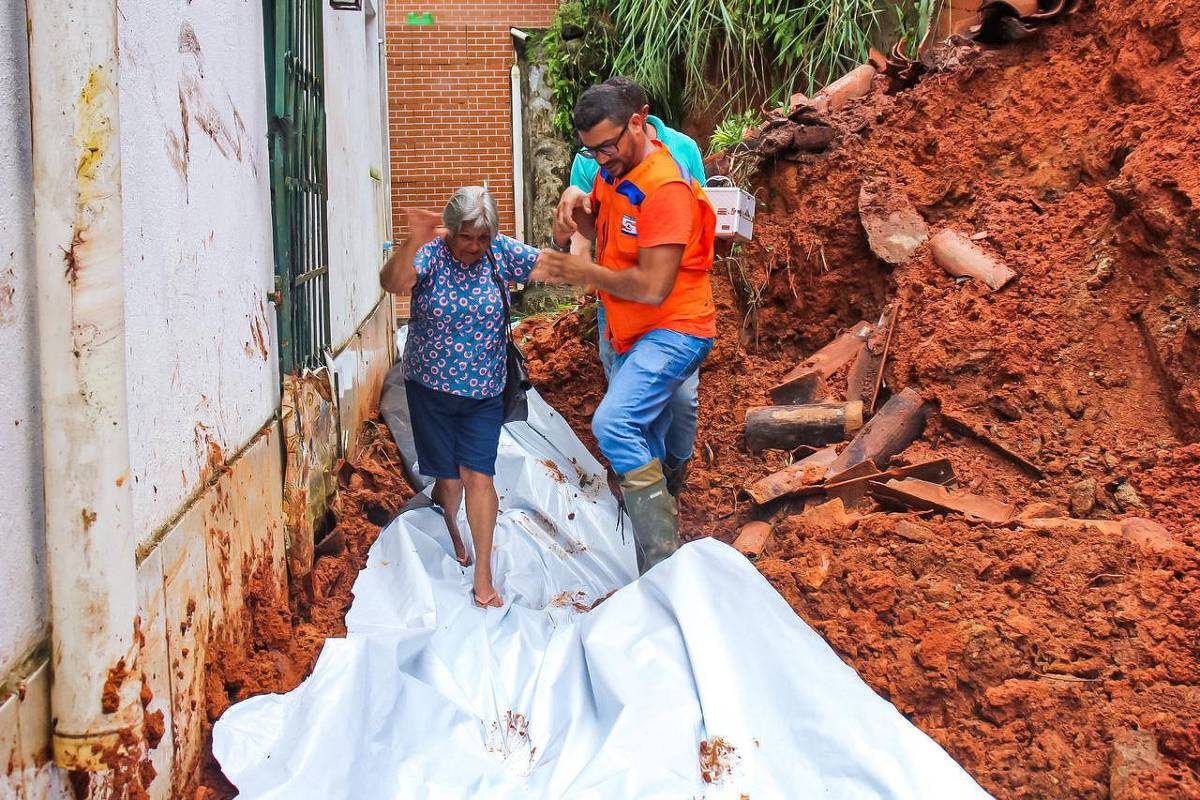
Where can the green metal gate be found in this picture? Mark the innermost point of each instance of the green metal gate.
(296, 122)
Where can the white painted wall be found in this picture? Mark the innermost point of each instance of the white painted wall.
(202, 362)
(199, 262)
(354, 140)
(22, 566)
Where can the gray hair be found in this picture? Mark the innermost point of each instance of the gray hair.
(471, 206)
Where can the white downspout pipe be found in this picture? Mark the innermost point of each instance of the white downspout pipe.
(518, 142)
(81, 329)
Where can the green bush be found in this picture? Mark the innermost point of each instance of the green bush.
(578, 51)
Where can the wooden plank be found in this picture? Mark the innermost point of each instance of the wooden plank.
(922, 495)
(851, 486)
(804, 383)
(963, 426)
(895, 427)
(793, 479)
(786, 427)
(866, 375)
(752, 539)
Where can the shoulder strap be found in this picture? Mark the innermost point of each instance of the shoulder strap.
(503, 291)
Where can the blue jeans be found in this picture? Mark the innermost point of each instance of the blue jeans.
(683, 407)
(632, 421)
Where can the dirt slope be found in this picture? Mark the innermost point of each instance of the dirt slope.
(1050, 665)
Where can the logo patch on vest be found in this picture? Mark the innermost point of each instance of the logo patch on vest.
(629, 225)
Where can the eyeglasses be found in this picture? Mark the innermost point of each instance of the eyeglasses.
(606, 149)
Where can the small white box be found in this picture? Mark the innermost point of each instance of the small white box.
(735, 212)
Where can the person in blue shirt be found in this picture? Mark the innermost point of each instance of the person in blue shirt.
(681, 435)
(455, 266)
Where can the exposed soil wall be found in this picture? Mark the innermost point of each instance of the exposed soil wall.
(1060, 664)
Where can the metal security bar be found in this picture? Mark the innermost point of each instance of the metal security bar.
(296, 107)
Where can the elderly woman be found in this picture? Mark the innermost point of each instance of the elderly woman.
(454, 362)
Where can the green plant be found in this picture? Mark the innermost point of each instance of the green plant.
(735, 52)
(578, 52)
(731, 129)
(913, 19)
(819, 40)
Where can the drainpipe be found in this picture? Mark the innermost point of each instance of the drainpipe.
(518, 141)
(81, 328)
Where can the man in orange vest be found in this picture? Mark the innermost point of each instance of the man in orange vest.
(654, 231)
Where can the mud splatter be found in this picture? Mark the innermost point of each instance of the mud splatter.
(717, 759)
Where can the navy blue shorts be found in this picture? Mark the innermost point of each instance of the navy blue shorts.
(453, 431)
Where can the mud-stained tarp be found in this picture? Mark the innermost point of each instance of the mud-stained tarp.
(695, 681)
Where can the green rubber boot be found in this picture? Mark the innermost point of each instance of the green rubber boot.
(652, 510)
(676, 473)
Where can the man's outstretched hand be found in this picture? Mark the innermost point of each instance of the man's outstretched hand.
(557, 269)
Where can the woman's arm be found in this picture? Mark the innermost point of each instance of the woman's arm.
(399, 273)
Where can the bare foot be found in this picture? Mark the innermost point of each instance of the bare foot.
(485, 595)
(460, 550)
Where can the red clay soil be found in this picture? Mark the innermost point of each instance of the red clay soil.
(1062, 665)
(274, 645)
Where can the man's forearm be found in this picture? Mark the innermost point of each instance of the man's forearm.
(631, 284)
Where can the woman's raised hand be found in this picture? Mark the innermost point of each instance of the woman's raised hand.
(424, 226)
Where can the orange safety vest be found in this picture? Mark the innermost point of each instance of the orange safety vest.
(689, 308)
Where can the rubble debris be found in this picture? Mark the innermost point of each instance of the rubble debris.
(914, 493)
(961, 257)
(1111, 527)
(1083, 497)
(865, 378)
(808, 472)
(853, 489)
(786, 427)
(894, 228)
(1003, 21)
(912, 532)
(752, 539)
(1133, 752)
(895, 427)
(961, 425)
(1127, 497)
(1148, 534)
(854, 84)
(805, 383)
(1038, 508)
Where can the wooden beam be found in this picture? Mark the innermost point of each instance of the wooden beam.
(805, 382)
(786, 427)
(913, 493)
(895, 427)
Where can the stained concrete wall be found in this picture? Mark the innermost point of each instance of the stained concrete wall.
(202, 369)
(358, 214)
(22, 567)
(203, 375)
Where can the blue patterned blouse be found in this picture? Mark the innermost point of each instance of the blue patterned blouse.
(457, 333)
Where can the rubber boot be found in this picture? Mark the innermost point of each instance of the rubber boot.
(652, 510)
(676, 473)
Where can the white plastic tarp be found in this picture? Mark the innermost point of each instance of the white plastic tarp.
(695, 681)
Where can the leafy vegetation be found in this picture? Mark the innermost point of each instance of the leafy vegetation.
(720, 54)
(730, 131)
(578, 51)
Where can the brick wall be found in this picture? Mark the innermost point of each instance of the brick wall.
(449, 96)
